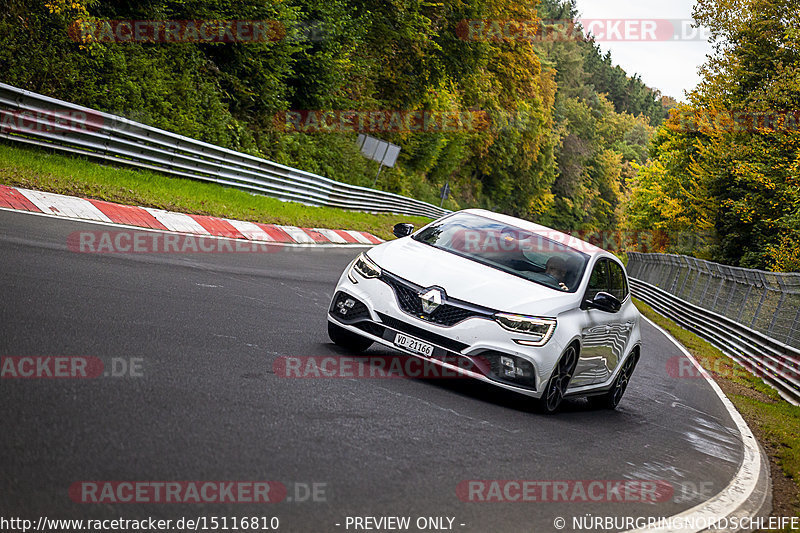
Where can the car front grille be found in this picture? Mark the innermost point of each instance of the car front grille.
(407, 296)
(449, 313)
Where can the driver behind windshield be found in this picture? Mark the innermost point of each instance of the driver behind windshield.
(556, 268)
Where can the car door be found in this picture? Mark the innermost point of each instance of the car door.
(604, 334)
(621, 327)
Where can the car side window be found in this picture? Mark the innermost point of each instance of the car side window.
(598, 282)
(619, 286)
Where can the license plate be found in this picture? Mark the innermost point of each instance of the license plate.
(414, 345)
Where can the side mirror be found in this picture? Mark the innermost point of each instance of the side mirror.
(604, 302)
(403, 230)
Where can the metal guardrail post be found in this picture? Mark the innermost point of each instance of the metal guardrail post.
(698, 275)
(794, 327)
(708, 279)
(719, 289)
(778, 307)
(760, 305)
(746, 298)
(688, 274)
(732, 292)
(676, 274)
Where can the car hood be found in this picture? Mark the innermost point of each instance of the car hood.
(468, 280)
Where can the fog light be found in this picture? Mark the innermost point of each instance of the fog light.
(524, 370)
(345, 305)
(514, 367)
(511, 368)
(507, 363)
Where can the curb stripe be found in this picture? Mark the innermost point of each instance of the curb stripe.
(297, 234)
(346, 236)
(358, 236)
(69, 206)
(370, 237)
(13, 199)
(275, 232)
(88, 209)
(218, 226)
(331, 235)
(128, 214)
(177, 221)
(251, 231)
(316, 235)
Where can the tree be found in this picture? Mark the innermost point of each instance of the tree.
(736, 167)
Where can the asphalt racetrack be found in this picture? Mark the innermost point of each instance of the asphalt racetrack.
(198, 336)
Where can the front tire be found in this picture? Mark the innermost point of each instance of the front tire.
(558, 382)
(611, 399)
(347, 339)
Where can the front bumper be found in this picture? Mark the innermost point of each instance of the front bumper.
(471, 347)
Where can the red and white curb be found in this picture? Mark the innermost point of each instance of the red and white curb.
(147, 217)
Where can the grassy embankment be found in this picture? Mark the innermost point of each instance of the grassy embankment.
(44, 171)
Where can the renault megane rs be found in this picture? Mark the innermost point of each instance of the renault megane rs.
(498, 299)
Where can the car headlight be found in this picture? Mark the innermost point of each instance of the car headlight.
(540, 329)
(365, 267)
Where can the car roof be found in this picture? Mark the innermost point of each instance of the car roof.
(549, 233)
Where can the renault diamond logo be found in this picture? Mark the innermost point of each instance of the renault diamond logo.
(431, 300)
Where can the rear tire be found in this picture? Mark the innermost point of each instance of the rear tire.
(347, 339)
(611, 399)
(559, 381)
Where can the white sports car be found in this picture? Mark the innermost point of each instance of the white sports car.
(498, 299)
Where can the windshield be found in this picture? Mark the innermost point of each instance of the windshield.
(508, 248)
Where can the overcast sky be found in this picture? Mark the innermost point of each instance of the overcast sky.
(668, 63)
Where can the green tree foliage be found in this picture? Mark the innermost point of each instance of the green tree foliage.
(557, 133)
(602, 122)
(718, 163)
(666, 196)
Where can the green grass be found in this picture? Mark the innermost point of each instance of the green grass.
(774, 421)
(45, 171)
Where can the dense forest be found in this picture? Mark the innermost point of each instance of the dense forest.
(547, 127)
(726, 164)
(559, 130)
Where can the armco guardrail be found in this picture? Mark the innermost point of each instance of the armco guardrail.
(39, 120)
(660, 280)
(768, 302)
